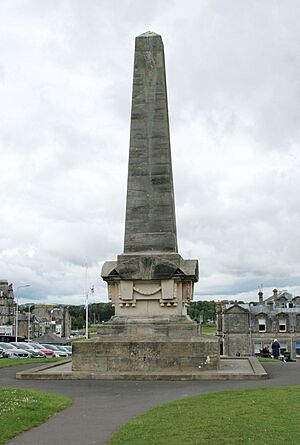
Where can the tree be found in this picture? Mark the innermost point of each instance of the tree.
(206, 309)
(98, 312)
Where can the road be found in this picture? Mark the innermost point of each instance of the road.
(101, 407)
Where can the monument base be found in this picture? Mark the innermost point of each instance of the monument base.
(147, 355)
(140, 327)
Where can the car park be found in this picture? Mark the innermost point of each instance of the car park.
(11, 351)
(35, 352)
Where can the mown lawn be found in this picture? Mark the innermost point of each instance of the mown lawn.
(208, 329)
(22, 409)
(265, 416)
(5, 362)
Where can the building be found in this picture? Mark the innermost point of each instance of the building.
(7, 308)
(53, 319)
(246, 328)
(34, 320)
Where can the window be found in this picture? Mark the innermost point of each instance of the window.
(291, 305)
(262, 325)
(283, 346)
(282, 325)
(1, 293)
(257, 348)
(298, 348)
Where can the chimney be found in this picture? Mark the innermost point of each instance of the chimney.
(260, 297)
(275, 293)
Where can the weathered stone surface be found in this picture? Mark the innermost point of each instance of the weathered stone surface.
(139, 327)
(148, 354)
(150, 267)
(150, 210)
(150, 278)
(233, 369)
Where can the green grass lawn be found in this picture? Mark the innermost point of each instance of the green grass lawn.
(5, 362)
(265, 416)
(22, 409)
(208, 329)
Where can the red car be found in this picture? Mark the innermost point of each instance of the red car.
(49, 353)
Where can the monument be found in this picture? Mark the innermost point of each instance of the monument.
(150, 284)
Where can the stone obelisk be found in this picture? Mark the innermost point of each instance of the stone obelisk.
(150, 211)
(150, 279)
(150, 285)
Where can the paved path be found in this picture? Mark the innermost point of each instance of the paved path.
(101, 407)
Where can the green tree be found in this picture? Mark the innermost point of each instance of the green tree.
(206, 309)
(98, 312)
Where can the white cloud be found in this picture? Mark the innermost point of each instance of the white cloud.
(65, 87)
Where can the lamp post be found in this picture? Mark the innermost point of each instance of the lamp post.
(17, 308)
(53, 322)
(28, 323)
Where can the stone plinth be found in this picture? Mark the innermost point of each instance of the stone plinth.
(149, 354)
(139, 327)
(150, 285)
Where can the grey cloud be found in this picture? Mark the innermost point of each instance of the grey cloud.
(65, 86)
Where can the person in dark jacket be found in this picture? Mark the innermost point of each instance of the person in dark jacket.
(275, 348)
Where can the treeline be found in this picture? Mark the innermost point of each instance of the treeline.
(98, 312)
(204, 310)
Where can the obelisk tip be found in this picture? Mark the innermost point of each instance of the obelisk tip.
(149, 34)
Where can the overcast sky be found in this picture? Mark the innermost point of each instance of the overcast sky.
(233, 74)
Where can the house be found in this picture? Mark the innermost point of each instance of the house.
(7, 308)
(45, 319)
(34, 320)
(246, 328)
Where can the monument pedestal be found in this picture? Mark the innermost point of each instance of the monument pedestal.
(138, 356)
(155, 345)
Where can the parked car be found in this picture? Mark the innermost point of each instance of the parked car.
(10, 351)
(35, 352)
(49, 352)
(57, 351)
(67, 349)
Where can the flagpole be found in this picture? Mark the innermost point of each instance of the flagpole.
(86, 303)
(87, 315)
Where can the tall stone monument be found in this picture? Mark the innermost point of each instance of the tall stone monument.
(150, 284)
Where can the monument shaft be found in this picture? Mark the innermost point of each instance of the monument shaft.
(150, 210)
(150, 279)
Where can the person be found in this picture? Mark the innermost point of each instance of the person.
(275, 348)
(264, 352)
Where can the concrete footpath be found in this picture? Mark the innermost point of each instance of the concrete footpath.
(101, 407)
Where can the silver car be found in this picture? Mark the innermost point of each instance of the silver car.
(35, 353)
(10, 351)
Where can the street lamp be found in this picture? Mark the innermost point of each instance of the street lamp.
(17, 307)
(28, 323)
(52, 322)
